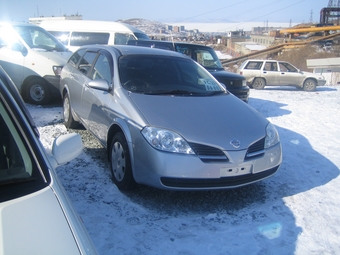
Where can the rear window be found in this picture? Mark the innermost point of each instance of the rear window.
(254, 65)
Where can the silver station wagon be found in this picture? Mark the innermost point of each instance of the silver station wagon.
(260, 73)
(166, 122)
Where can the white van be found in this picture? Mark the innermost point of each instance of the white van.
(33, 59)
(76, 33)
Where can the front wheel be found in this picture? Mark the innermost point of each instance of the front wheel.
(259, 83)
(120, 163)
(37, 92)
(69, 121)
(309, 85)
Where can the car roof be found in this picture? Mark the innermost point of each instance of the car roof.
(169, 44)
(16, 23)
(136, 50)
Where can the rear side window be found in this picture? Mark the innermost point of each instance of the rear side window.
(270, 66)
(254, 65)
(85, 38)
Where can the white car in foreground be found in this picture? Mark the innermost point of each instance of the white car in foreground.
(36, 215)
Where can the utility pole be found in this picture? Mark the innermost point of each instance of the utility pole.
(311, 17)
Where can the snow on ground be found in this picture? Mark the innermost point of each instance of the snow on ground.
(296, 211)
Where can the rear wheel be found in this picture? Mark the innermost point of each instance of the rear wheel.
(309, 85)
(37, 92)
(259, 83)
(120, 163)
(69, 121)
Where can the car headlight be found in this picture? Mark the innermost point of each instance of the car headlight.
(57, 70)
(272, 136)
(244, 83)
(166, 140)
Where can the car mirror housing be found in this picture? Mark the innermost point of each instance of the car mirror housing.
(65, 148)
(100, 84)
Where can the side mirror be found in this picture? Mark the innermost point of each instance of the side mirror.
(65, 148)
(20, 48)
(100, 84)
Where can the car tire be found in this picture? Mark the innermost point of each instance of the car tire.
(69, 121)
(309, 85)
(120, 163)
(259, 83)
(37, 92)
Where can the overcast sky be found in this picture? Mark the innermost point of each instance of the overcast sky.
(296, 11)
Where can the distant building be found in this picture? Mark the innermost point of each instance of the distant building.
(263, 39)
(328, 67)
(38, 20)
(248, 47)
(236, 34)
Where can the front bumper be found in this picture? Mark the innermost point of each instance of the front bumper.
(240, 92)
(54, 82)
(321, 82)
(173, 171)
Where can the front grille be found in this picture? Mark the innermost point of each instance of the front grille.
(233, 83)
(208, 153)
(223, 182)
(256, 149)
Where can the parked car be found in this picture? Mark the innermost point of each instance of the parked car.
(260, 73)
(37, 217)
(165, 120)
(33, 59)
(206, 56)
(76, 33)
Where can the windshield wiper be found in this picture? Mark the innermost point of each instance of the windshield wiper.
(17, 181)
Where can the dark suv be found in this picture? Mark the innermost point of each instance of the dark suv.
(206, 56)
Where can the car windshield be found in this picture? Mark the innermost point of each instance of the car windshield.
(38, 39)
(205, 57)
(152, 74)
(141, 36)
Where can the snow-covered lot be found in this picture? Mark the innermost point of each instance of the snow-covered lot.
(296, 211)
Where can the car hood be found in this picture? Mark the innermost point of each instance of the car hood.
(220, 74)
(309, 74)
(211, 120)
(35, 224)
(59, 58)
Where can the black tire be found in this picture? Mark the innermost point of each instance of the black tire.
(37, 92)
(69, 121)
(120, 163)
(309, 85)
(259, 83)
